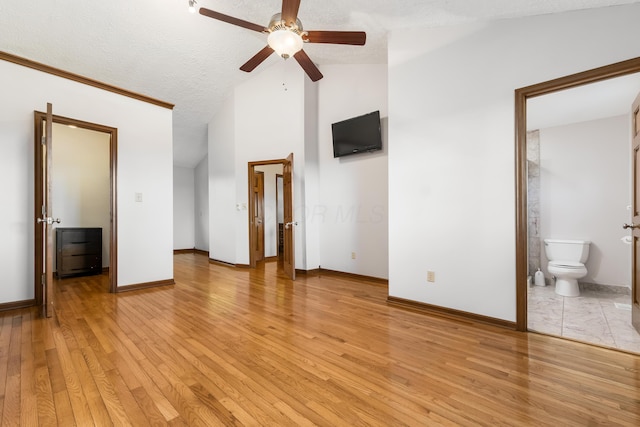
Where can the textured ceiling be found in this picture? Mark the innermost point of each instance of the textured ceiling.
(157, 48)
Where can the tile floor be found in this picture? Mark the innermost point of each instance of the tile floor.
(596, 316)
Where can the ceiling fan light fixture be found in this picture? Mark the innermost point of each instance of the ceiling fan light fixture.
(192, 6)
(285, 42)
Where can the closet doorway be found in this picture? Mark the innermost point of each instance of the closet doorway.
(82, 185)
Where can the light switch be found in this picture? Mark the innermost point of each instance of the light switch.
(139, 197)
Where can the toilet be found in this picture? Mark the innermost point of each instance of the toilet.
(566, 263)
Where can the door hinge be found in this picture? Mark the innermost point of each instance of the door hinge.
(44, 140)
(42, 279)
(44, 211)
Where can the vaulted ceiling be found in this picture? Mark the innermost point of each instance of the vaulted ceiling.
(157, 48)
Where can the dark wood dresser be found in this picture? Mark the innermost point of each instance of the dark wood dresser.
(78, 251)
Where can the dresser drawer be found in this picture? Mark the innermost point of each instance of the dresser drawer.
(78, 263)
(79, 235)
(80, 248)
(78, 251)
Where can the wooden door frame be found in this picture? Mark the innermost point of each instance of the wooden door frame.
(281, 176)
(618, 69)
(635, 173)
(38, 197)
(251, 207)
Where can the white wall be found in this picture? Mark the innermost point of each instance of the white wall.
(201, 205)
(264, 120)
(80, 177)
(585, 191)
(311, 178)
(335, 200)
(144, 166)
(352, 213)
(451, 150)
(270, 125)
(183, 208)
(222, 186)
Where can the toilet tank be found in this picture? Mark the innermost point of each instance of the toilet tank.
(566, 250)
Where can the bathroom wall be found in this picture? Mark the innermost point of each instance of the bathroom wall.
(584, 193)
(533, 200)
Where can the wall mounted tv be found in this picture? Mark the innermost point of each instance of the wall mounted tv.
(357, 135)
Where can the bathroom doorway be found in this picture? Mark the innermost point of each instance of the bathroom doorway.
(558, 200)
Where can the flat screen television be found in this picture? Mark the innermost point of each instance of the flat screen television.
(357, 135)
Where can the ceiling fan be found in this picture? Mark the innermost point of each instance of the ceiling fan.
(286, 37)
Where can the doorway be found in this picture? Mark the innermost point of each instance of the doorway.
(83, 131)
(523, 224)
(271, 224)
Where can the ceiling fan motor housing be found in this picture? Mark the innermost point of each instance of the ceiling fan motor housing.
(277, 23)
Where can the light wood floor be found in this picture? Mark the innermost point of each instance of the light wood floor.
(240, 347)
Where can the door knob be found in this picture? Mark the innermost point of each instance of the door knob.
(632, 226)
(49, 220)
(289, 224)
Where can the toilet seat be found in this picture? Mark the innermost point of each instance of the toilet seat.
(569, 265)
(567, 274)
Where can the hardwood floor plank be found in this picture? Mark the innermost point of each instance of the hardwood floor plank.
(37, 377)
(73, 385)
(229, 347)
(149, 408)
(130, 406)
(11, 404)
(29, 399)
(133, 372)
(96, 405)
(12, 397)
(105, 387)
(64, 411)
(178, 398)
(211, 398)
(5, 339)
(46, 407)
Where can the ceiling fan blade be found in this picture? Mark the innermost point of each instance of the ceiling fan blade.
(337, 37)
(290, 11)
(257, 59)
(231, 20)
(308, 66)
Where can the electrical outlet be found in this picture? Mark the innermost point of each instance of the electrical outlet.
(353, 255)
(431, 276)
